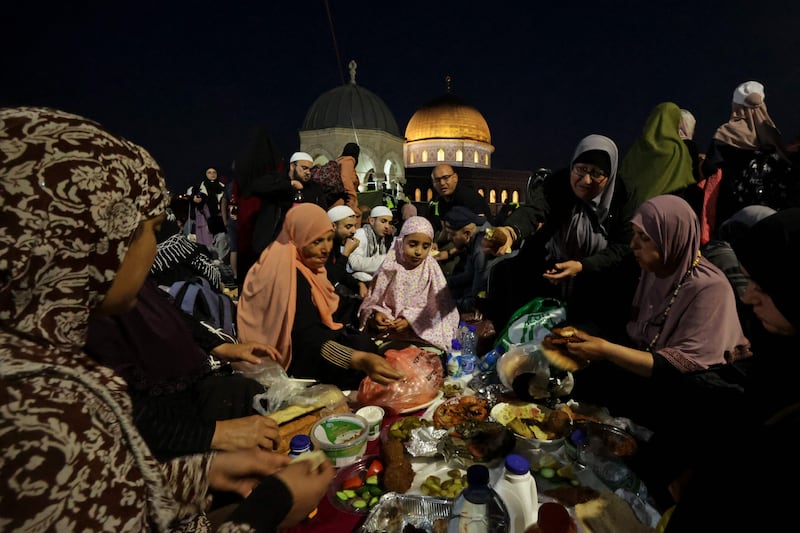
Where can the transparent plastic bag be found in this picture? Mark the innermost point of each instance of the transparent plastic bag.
(525, 370)
(277, 383)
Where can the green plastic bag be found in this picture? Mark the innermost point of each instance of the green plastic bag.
(531, 322)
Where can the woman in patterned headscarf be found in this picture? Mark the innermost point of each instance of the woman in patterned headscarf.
(410, 289)
(80, 211)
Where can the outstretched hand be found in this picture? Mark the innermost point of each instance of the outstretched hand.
(246, 432)
(250, 352)
(308, 486)
(376, 367)
(562, 271)
(242, 470)
(497, 241)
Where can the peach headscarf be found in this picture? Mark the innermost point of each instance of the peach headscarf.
(267, 304)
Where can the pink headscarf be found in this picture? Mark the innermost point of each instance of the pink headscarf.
(420, 294)
(266, 308)
(702, 327)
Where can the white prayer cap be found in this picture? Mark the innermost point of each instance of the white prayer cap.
(380, 211)
(339, 212)
(300, 156)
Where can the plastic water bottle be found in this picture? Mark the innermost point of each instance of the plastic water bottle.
(489, 361)
(454, 359)
(478, 509)
(461, 331)
(301, 443)
(470, 342)
(517, 489)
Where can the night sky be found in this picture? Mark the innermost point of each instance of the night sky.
(188, 81)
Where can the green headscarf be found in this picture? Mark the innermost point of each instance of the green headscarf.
(659, 161)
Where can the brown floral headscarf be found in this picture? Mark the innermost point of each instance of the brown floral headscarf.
(71, 198)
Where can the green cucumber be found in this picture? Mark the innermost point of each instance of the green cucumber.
(547, 473)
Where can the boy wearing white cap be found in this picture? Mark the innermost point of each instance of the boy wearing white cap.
(350, 290)
(374, 240)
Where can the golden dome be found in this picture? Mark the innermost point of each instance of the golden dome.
(447, 117)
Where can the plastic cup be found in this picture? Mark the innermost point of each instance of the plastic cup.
(373, 414)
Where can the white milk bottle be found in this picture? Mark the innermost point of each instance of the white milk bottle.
(517, 489)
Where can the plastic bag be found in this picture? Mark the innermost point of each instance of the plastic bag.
(277, 383)
(424, 376)
(531, 322)
(526, 371)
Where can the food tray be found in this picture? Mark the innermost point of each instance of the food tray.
(395, 511)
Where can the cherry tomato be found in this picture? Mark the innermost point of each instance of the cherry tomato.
(352, 483)
(375, 468)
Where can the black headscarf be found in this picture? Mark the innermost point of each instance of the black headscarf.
(767, 253)
(351, 149)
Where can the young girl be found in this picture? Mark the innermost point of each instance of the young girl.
(410, 291)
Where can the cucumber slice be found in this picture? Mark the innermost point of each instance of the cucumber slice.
(547, 473)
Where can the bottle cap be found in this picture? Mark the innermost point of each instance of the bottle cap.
(517, 464)
(300, 443)
(456, 344)
(477, 475)
(472, 327)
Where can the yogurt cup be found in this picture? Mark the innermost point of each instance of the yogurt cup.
(343, 438)
(373, 414)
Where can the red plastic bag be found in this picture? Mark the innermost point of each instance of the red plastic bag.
(423, 379)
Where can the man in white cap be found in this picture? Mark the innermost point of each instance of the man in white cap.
(374, 240)
(350, 290)
(306, 191)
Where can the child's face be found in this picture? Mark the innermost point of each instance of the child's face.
(416, 247)
(382, 225)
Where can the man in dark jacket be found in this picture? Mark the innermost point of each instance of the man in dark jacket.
(466, 231)
(449, 195)
(306, 191)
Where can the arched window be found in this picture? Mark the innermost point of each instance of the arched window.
(440, 155)
(475, 156)
(459, 155)
(492, 196)
(503, 195)
(486, 159)
(417, 195)
(411, 159)
(515, 197)
(424, 156)
(430, 195)
(481, 192)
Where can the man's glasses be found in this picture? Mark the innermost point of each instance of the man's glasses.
(597, 175)
(446, 177)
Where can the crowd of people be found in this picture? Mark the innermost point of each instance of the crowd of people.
(119, 408)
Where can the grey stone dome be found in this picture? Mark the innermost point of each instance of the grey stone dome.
(350, 106)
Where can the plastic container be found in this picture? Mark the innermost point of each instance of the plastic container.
(454, 359)
(373, 414)
(343, 438)
(300, 443)
(478, 509)
(489, 361)
(517, 489)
